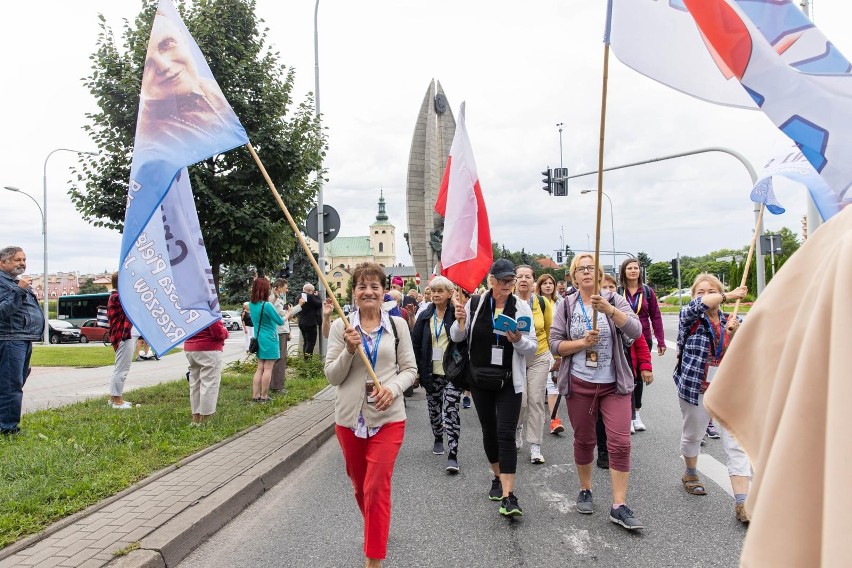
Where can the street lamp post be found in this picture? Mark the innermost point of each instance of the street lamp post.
(320, 205)
(611, 223)
(44, 236)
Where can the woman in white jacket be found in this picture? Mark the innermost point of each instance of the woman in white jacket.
(498, 375)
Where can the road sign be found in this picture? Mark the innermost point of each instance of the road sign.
(330, 223)
(417, 279)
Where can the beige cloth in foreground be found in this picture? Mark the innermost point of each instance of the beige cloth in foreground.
(784, 390)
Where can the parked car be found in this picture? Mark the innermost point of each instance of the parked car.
(62, 331)
(231, 319)
(90, 331)
(684, 293)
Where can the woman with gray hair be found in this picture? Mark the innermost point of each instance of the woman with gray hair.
(431, 336)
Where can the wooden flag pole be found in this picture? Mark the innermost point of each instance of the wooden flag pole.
(600, 179)
(748, 258)
(310, 256)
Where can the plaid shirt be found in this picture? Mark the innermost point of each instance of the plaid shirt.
(695, 348)
(119, 325)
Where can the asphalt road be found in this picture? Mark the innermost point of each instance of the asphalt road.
(310, 519)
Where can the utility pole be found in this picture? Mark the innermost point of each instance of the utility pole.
(559, 126)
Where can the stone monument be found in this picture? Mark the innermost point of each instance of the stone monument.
(430, 146)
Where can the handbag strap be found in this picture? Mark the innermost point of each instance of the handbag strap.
(262, 305)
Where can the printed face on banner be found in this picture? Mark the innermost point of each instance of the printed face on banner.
(170, 69)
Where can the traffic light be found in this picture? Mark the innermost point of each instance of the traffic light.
(548, 180)
(559, 257)
(674, 268)
(560, 183)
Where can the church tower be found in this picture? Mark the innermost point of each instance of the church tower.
(383, 237)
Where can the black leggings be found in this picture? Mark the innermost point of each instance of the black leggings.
(498, 413)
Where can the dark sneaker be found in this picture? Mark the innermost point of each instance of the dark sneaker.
(453, 466)
(712, 432)
(465, 402)
(438, 448)
(603, 459)
(496, 493)
(584, 502)
(624, 516)
(509, 506)
(408, 392)
(10, 431)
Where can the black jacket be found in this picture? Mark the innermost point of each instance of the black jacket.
(421, 339)
(311, 311)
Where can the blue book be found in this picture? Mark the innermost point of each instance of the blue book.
(503, 323)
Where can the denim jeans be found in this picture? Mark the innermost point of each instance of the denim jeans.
(14, 370)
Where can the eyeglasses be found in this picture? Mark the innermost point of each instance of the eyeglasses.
(506, 281)
(585, 269)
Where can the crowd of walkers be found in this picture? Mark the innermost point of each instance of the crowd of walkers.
(588, 340)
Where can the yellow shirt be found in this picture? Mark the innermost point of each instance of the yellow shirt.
(442, 342)
(542, 321)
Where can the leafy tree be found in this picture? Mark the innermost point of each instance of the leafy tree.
(240, 220)
(235, 287)
(89, 287)
(644, 260)
(660, 275)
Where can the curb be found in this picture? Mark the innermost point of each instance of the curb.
(170, 543)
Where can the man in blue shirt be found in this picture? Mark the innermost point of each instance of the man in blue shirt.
(21, 323)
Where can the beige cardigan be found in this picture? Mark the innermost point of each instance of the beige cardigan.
(349, 374)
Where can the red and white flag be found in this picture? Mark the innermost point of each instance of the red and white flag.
(466, 253)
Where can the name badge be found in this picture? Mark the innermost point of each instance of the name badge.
(711, 372)
(497, 356)
(437, 354)
(592, 359)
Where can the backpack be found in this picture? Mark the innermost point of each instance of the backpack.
(645, 288)
(680, 345)
(456, 360)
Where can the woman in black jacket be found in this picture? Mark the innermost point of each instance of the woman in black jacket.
(430, 337)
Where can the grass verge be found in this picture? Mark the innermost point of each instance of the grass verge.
(69, 458)
(59, 356)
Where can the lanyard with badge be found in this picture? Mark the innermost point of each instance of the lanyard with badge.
(635, 301)
(496, 349)
(715, 358)
(437, 353)
(372, 355)
(591, 354)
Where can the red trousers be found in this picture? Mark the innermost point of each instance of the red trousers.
(369, 464)
(586, 401)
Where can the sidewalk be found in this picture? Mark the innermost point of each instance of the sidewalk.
(176, 509)
(165, 516)
(49, 387)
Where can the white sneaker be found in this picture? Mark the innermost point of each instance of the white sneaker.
(632, 427)
(123, 406)
(638, 424)
(535, 454)
(519, 437)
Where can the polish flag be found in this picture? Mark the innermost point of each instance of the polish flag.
(466, 253)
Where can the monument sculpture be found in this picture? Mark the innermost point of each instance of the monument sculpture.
(430, 146)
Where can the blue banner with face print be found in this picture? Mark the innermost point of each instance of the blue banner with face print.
(165, 281)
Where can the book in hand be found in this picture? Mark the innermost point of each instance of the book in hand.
(504, 323)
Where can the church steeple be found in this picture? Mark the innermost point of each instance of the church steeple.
(382, 216)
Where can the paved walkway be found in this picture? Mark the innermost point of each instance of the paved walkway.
(164, 517)
(49, 387)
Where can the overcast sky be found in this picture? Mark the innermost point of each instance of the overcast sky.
(521, 67)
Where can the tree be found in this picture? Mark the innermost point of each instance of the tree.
(660, 275)
(644, 260)
(89, 287)
(236, 284)
(240, 221)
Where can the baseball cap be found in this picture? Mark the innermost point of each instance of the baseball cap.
(502, 268)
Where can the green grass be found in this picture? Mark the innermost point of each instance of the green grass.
(69, 458)
(59, 356)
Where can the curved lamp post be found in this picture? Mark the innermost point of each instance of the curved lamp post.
(611, 224)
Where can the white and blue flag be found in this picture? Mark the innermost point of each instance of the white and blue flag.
(165, 281)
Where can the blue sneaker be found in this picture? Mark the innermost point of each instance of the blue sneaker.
(624, 516)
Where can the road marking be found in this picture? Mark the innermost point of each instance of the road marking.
(715, 471)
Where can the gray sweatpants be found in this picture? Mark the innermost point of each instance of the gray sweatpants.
(123, 358)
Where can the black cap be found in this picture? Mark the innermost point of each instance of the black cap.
(502, 268)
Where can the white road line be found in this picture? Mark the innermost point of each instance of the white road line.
(717, 472)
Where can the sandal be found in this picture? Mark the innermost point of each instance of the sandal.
(693, 484)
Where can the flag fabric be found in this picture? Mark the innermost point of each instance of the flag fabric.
(466, 253)
(791, 164)
(165, 281)
(780, 60)
(783, 391)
